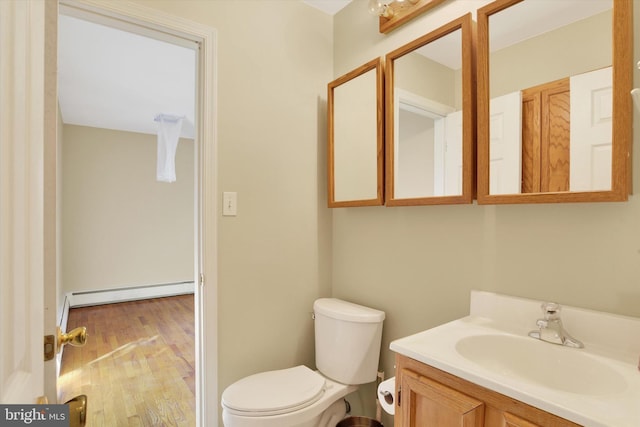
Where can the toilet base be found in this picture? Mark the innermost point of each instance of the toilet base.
(333, 414)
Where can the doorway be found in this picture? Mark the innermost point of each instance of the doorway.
(203, 248)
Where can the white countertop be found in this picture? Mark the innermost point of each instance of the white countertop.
(606, 394)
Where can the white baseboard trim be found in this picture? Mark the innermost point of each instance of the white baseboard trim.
(109, 296)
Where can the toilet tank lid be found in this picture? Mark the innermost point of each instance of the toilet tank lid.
(344, 310)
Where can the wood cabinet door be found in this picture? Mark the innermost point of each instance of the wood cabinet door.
(546, 137)
(427, 403)
(511, 420)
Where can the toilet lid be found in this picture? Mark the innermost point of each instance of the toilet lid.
(274, 392)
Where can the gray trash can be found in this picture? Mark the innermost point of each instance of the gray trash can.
(359, 422)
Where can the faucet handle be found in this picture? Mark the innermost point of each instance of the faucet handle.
(551, 310)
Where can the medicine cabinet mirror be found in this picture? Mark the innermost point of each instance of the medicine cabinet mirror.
(554, 111)
(356, 137)
(430, 118)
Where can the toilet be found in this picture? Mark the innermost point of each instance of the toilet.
(347, 338)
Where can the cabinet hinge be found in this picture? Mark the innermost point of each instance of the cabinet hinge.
(201, 279)
(399, 396)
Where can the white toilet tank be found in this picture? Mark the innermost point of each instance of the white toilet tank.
(348, 338)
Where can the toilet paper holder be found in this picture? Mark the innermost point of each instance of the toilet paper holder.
(387, 396)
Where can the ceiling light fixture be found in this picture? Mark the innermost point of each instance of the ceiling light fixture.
(380, 8)
(393, 13)
(387, 8)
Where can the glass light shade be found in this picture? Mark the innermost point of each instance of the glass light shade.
(376, 7)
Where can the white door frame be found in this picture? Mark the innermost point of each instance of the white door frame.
(142, 19)
(409, 101)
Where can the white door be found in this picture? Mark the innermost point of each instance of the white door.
(22, 115)
(591, 130)
(505, 147)
(453, 155)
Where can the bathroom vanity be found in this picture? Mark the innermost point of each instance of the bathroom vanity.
(432, 397)
(485, 370)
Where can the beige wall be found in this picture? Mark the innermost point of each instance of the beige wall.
(274, 62)
(410, 71)
(120, 227)
(285, 248)
(535, 61)
(418, 264)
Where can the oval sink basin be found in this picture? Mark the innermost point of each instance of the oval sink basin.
(550, 365)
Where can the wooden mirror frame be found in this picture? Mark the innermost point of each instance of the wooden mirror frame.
(622, 114)
(467, 27)
(377, 65)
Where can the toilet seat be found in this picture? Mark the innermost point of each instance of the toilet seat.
(274, 392)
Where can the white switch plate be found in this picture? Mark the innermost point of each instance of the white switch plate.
(229, 203)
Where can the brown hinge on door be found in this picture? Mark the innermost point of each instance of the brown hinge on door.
(78, 411)
(399, 396)
(49, 347)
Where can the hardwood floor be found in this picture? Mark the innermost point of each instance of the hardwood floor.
(138, 366)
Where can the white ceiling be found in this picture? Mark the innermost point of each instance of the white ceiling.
(114, 79)
(330, 7)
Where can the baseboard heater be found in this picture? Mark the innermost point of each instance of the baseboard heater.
(109, 296)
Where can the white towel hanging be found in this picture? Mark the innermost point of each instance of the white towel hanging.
(169, 128)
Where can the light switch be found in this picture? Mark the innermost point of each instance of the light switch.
(229, 203)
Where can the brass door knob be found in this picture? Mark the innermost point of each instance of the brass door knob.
(77, 337)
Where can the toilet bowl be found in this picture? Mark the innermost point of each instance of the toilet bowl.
(347, 338)
(295, 396)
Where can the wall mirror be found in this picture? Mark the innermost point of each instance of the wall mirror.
(430, 118)
(356, 137)
(554, 111)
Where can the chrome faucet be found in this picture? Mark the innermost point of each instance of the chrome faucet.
(550, 328)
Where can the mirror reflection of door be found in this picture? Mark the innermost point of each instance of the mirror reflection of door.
(453, 154)
(545, 137)
(430, 118)
(415, 160)
(504, 129)
(428, 151)
(566, 134)
(552, 54)
(591, 130)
